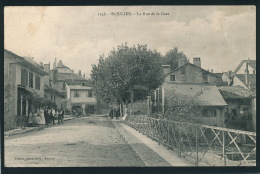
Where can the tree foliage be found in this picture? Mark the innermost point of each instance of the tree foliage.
(125, 69)
(183, 108)
(172, 57)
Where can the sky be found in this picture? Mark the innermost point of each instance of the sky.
(221, 36)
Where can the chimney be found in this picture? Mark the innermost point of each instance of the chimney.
(211, 70)
(230, 78)
(54, 64)
(166, 69)
(59, 64)
(41, 64)
(47, 67)
(247, 74)
(181, 62)
(79, 72)
(84, 76)
(197, 62)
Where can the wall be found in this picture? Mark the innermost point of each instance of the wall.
(192, 74)
(242, 69)
(64, 70)
(83, 97)
(253, 112)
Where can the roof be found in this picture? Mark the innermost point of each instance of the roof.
(203, 95)
(86, 83)
(29, 61)
(70, 76)
(186, 64)
(234, 92)
(252, 81)
(79, 87)
(251, 63)
(52, 90)
(220, 81)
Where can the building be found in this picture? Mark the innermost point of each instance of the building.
(244, 78)
(51, 91)
(190, 73)
(75, 86)
(238, 113)
(27, 78)
(189, 82)
(80, 96)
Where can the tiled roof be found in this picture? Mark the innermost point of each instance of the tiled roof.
(234, 92)
(203, 95)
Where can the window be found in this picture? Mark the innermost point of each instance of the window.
(172, 77)
(24, 77)
(37, 82)
(90, 94)
(205, 77)
(76, 93)
(30, 79)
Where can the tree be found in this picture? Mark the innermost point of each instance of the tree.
(124, 71)
(183, 108)
(172, 57)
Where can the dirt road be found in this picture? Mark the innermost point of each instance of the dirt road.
(82, 142)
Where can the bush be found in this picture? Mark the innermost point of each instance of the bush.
(139, 108)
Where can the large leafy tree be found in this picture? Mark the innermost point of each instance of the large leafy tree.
(172, 57)
(126, 71)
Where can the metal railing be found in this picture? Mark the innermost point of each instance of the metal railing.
(201, 144)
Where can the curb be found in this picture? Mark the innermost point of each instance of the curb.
(23, 131)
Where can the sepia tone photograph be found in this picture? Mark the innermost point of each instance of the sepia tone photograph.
(129, 86)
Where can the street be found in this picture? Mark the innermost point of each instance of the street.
(81, 142)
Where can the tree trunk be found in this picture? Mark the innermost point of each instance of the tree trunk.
(132, 97)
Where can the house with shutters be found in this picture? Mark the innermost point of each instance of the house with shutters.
(27, 78)
(80, 97)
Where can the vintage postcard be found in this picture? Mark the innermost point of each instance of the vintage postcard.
(129, 86)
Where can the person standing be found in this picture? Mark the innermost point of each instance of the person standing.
(53, 116)
(42, 118)
(46, 116)
(60, 116)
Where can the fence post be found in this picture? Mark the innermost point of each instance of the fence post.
(197, 146)
(224, 149)
(168, 133)
(179, 142)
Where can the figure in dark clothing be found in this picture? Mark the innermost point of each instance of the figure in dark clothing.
(117, 112)
(46, 116)
(60, 117)
(111, 113)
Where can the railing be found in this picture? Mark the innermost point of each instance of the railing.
(202, 145)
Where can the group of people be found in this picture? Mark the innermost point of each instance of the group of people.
(45, 116)
(114, 113)
(52, 114)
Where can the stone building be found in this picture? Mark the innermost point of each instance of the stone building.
(26, 77)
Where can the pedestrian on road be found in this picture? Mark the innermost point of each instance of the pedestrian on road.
(53, 116)
(46, 116)
(117, 112)
(60, 116)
